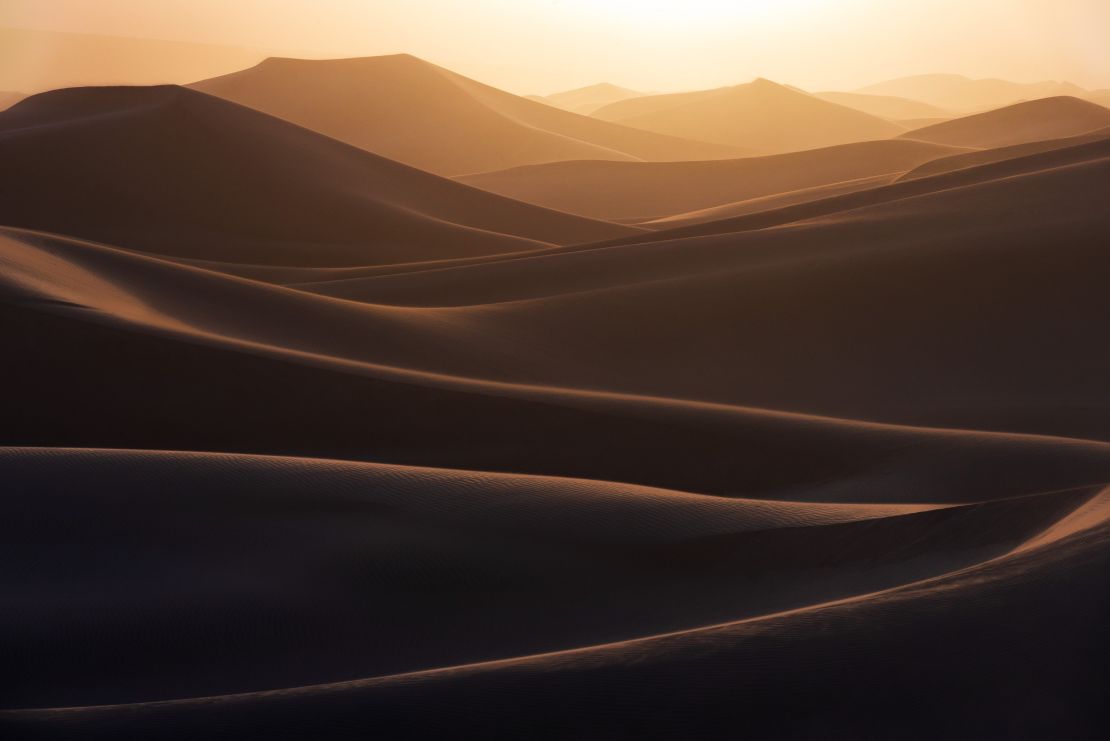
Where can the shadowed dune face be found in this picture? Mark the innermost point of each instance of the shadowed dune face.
(1001, 154)
(1037, 120)
(643, 191)
(176, 172)
(760, 115)
(303, 442)
(331, 549)
(414, 112)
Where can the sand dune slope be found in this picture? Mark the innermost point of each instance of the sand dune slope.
(642, 191)
(414, 112)
(551, 320)
(964, 573)
(965, 160)
(1037, 120)
(173, 171)
(889, 107)
(761, 115)
(586, 100)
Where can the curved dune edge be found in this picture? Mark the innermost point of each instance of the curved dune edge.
(56, 285)
(1073, 533)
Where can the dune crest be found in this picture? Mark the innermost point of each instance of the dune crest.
(412, 111)
(1021, 123)
(173, 171)
(643, 191)
(586, 100)
(760, 115)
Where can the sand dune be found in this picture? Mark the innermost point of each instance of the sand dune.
(173, 171)
(301, 442)
(276, 546)
(643, 191)
(398, 107)
(501, 320)
(889, 107)
(838, 668)
(760, 115)
(1087, 149)
(775, 201)
(981, 157)
(1037, 120)
(920, 123)
(959, 93)
(586, 100)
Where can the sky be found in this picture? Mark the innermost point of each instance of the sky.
(543, 46)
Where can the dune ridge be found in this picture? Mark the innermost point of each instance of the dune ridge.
(643, 191)
(177, 172)
(586, 100)
(1021, 123)
(397, 106)
(760, 115)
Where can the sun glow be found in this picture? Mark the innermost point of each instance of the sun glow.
(672, 14)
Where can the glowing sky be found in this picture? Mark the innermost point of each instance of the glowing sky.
(546, 45)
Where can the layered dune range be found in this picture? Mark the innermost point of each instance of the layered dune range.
(309, 443)
(426, 116)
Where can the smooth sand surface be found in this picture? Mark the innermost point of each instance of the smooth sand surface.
(173, 171)
(760, 115)
(426, 116)
(1022, 123)
(586, 100)
(889, 107)
(986, 156)
(644, 191)
(301, 442)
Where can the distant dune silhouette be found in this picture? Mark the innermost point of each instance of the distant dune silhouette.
(398, 107)
(761, 115)
(1021, 123)
(959, 93)
(586, 100)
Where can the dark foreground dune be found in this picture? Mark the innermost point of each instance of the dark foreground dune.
(300, 442)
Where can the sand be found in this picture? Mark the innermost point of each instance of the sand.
(638, 191)
(303, 442)
(1022, 123)
(586, 100)
(415, 112)
(762, 115)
